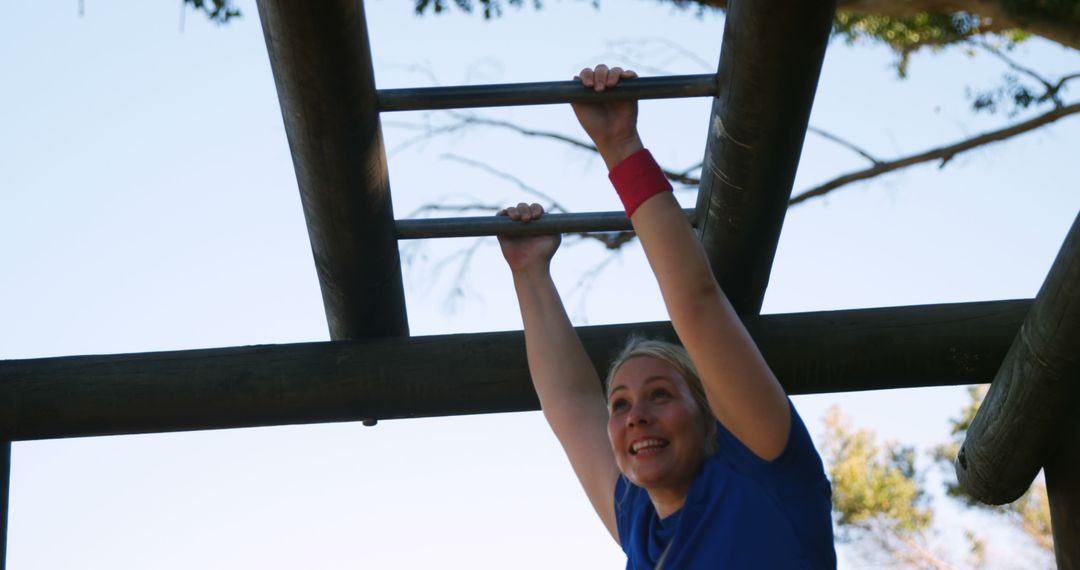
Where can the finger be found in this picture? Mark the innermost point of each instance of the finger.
(586, 77)
(537, 211)
(501, 212)
(513, 213)
(629, 74)
(614, 76)
(600, 75)
(524, 212)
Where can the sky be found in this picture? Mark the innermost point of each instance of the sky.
(148, 202)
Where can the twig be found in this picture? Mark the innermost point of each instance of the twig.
(848, 145)
(555, 206)
(457, 208)
(680, 177)
(945, 153)
(1011, 63)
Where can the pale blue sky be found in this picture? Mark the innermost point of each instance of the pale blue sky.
(148, 202)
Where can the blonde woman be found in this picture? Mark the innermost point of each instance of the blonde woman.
(692, 458)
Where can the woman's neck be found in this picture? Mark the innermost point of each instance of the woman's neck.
(667, 501)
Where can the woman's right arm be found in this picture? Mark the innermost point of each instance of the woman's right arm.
(562, 373)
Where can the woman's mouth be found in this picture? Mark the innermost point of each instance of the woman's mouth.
(647, 446)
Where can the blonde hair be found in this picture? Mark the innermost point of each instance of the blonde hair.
(676, 357)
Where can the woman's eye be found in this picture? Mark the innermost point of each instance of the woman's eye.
(660, 393)
(618, 405)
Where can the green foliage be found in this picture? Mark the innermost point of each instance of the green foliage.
(489, 8)
(1012, 93)
(1030, 513)
(907, 35)
(219, 11)
(873, 486)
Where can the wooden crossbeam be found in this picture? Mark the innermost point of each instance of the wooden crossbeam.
(322, 67)
(833, 351)
(770, 60)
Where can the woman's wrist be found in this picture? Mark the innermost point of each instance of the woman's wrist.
(615, 152)
(636, 179)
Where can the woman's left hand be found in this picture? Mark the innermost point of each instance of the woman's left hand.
(612, 125)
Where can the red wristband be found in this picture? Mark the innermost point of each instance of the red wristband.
(638, 178)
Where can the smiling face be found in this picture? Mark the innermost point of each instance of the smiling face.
(656, 429)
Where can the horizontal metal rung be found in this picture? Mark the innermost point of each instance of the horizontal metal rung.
(546, 93)
(502, 225)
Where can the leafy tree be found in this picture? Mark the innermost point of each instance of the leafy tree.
(904, 25)
(1030, 513)
(881, 501)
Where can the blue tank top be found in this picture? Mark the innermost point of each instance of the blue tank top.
(741, 512)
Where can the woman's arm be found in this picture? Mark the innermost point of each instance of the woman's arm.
(742, 392)
(564, 377)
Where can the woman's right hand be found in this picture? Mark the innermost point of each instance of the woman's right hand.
(529, 252)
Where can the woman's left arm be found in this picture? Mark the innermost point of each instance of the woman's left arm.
(742, 391)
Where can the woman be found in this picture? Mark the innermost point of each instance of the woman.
(692, 459)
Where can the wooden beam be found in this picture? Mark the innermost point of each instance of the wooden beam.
(1063, 490)
(322, 67)
(769, 65)
(1019, 423)
(5, 492)
(833, 351)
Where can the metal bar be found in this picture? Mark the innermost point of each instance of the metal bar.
(543, 93)
(1034, 392)
(832, 351)
(321, 60)
(5, 492)
(501, 225)
(769, 65)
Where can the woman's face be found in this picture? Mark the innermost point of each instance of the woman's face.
(656, 429)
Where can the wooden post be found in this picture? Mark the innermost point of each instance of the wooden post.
(1021, 421)
(322, 67)
(5, 492)
(1063, 490)
(768, 73)
(828, 351)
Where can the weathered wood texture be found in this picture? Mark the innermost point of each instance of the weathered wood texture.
(770, 60)
(543, 93)
(1019, 423)
(1063, 488)
(321, 61)
(468, 374)
(5, 492)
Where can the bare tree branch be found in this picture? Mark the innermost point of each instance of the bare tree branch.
(848, 145)
(993, 50)
(636, 51)
(456, 208)
(944, 154)
(680, 177)
(553, 204)
(475, 120)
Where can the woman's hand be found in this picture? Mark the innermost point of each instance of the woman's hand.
(532, 252)
(612, 125)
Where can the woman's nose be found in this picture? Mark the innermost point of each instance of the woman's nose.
(637, 416)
